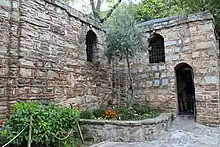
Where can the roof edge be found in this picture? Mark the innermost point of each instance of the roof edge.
(160, 23)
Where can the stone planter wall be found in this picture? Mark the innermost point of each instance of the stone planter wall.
(127, 131)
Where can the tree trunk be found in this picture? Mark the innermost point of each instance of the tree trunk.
(98, 6)
(131, 81)
(96, 14)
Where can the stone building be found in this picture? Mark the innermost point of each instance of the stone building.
(184, 50)
(49, 51)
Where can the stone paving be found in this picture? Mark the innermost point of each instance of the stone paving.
(184, 132)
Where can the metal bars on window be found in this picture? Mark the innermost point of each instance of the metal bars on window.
(157, 50)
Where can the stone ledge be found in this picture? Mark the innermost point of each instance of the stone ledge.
(171, 21)
(161, 118)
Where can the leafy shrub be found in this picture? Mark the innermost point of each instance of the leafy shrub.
(127, 114)
(140, 109)
(98, 112)
(48, 121)
(135, 112)
(153, 113)
(87, 115)
(2, 138)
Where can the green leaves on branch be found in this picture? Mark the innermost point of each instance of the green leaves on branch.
(124, 39)
(202, 5)
(151, 9)
(123, 36)
(48, 121)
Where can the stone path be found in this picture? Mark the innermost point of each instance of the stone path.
(184, 132)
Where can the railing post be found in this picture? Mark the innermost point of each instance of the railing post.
(80, 132)
(30, 132)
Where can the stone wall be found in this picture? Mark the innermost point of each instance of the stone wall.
(43, 55)
(9, 34)
(188, 39)
(126, 131)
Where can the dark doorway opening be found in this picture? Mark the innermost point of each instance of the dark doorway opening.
(185, 89)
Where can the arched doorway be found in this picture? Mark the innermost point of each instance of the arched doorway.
(185, 89)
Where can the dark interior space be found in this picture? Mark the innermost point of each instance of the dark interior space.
(157, 52)
(91, 40)
(186, 90)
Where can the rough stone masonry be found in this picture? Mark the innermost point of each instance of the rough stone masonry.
(43, 56)
(188, 40)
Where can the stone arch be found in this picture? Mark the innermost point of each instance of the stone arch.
(91, 45)
(157, 51)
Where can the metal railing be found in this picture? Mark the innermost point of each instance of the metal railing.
(30, 134)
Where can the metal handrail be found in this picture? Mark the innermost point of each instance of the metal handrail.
(15, 137)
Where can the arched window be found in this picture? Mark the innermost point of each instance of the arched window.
(91, 40)
(157, 51)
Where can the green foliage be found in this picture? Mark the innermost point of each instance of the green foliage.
(3, 139)
(87, 114)
(123, 37)
(151, 9)
(48, 121)
(135, 112)
(127, 114)
(140, 109)
(201, 5)
(98, 112)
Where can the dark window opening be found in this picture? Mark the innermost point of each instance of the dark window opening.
(157, 51)
(91, 40)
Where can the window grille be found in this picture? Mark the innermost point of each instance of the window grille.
(157, 50)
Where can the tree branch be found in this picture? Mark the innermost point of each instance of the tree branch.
(95, 14)
(111, 11)
(92, 3)
(98, 6)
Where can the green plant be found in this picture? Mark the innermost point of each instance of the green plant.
(140, 109)
(124, 40)
(87, 115)
(2, 139)
(72, 142)
(98, 112)
(127, 114)
(49, 122)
